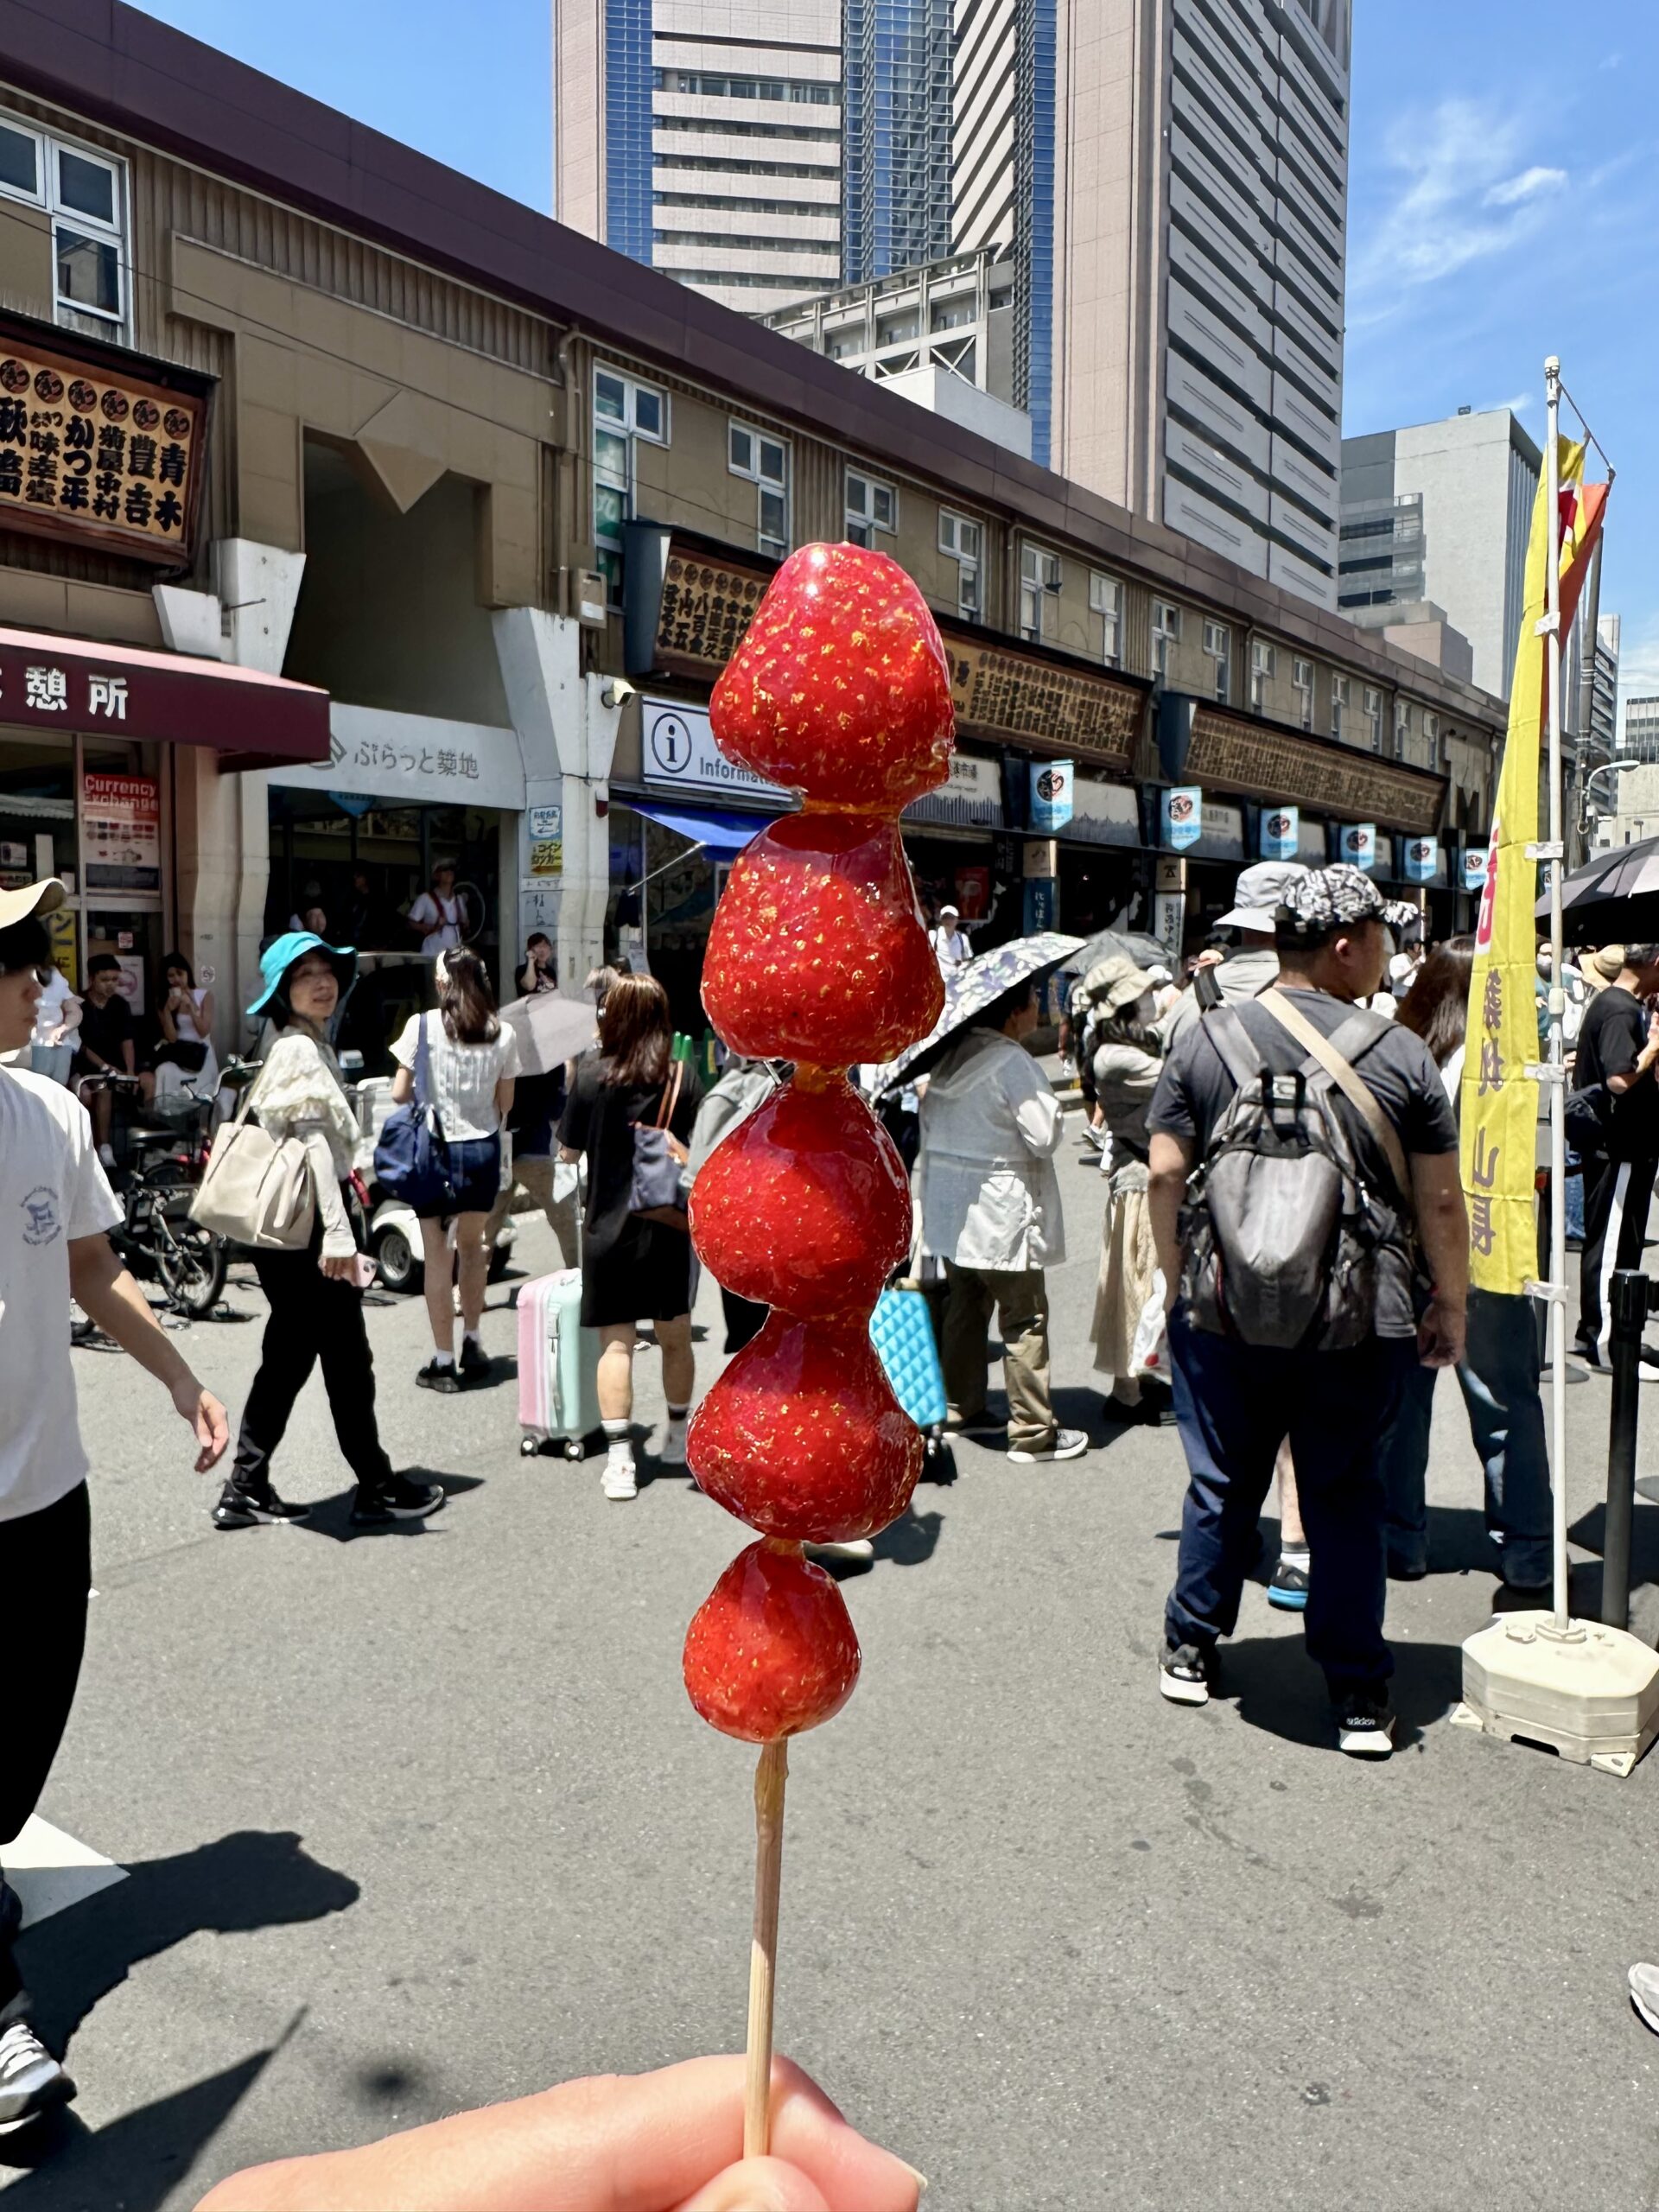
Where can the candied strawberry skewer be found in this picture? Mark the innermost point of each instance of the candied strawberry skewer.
(840, 690)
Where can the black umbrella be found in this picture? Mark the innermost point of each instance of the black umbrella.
(1613, 899)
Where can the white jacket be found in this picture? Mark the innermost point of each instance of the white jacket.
(298, 1093)
(991, 1126)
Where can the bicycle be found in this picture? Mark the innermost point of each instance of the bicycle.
(156, 1237)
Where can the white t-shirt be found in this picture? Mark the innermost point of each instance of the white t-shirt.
(950, 946)
(54, 995)
(442, 920)
(52, 1190)
(462, 1076)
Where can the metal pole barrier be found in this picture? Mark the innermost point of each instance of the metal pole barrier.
(1555, 851)
(1629, 1306)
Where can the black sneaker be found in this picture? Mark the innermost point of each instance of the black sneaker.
(1365, 1724)
(1590, 1353)
(433, 1377)
(474, 1362)
(396, 1499)
(1185, 1674)
(31, 2080)
(1287, 1587)
(252, 1509)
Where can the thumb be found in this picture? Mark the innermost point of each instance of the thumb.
(758, 2185)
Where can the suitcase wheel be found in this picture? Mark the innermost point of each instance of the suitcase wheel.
(528, 1447)
(573, 1449)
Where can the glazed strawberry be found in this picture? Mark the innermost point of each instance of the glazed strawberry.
(841, 687)
(817, 951)
(771, 1650)
(802, 1436)
(806, 1205)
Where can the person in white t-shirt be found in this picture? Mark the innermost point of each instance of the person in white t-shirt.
(56, 1020)
(56, 1209)
(471, 1062)
(950, 946)
(439, 915)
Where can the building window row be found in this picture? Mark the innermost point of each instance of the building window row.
(871, 505)
(1106, 600)
(1040, 586)
(752, 245)
(962, 539)
(791, 287)
(799, 92)
(83, 195)
(1219, 645)
(720, 128)
(764, 462)
(1166, 632)
(718, 203)
(671, 164)
(625, 413)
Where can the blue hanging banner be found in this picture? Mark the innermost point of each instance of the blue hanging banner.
(1042, 904)
(1052, 785)
(1475, 858)
(1281, 832)
(1422, 858)
(1183, 816)
(1358, 844)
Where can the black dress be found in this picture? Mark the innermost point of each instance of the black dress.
(631, 1270)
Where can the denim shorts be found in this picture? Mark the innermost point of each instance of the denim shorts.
(474, 1177)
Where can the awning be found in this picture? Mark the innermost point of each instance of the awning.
(716, 833)
(70, 683)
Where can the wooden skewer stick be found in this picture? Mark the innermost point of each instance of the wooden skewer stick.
(769, 1776)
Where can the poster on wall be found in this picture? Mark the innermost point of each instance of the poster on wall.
(121, 833)
(1052, 785)
(546, 826)
(1183, 816)
(973, 888)
(1281, 832)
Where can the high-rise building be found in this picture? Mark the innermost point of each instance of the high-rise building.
(896, 135)
(703, 137)
(1639, 740)
(1440, 511)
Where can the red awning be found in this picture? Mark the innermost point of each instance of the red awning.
(70, 683)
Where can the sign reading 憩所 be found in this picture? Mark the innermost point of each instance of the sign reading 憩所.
(93, 451)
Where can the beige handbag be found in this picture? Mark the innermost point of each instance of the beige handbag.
(257, 1189)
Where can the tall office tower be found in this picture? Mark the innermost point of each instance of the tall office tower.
(896, 135)
(1440, 512)
(703, 137)
(1640, 738)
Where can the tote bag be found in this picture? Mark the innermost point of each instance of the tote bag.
(658, 1193)
(257, 1188)
(411, 1160)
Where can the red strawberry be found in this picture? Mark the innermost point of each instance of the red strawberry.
(771, 1650)
(806, 1206)
(802, 1436)
(841, 687)
(817, 951)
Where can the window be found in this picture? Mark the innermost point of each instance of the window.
(1432, 742)
(871, 505)
(1039, 584)
(625, 412)
(1166, 632)
(1338, 703)
(1218, 644)
(1262, 669)
(1402, 728)
(764, 462)
(1374, 717)
(1301, 677)
(82, 192)
(1106, 598)
(961, 537)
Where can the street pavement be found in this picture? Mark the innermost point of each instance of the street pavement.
(415, 1822)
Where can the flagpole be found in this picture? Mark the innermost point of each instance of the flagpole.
(1557, 1298)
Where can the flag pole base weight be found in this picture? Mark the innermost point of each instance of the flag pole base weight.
(1588, 1692)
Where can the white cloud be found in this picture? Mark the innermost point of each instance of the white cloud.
(1465, 194)
(1519, 406)
(1526, 185)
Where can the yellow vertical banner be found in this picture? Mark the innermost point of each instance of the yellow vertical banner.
(1499, 1104)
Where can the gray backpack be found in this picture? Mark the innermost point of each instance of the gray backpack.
(1289, 1222)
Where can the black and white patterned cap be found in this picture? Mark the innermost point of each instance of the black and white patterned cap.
(1332, 898)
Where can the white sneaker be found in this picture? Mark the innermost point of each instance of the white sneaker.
(1644, 1994)
(31, 2080)
(618, 1479)
(1069, 1444)
(849, 1548)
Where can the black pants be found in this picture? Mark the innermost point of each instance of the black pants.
(1617, 1196)
(313, 1318)
(45, 1571)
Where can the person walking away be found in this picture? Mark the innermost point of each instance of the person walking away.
(990, 1200)
(1312, 1336)
(634, 1268)
(316, 1295)
(438, 916)
(536, 1177)
(104, 1046)
(55, 1209)
(740, 1088)
(472, 1062)
(1618, 1051)
(57, 1022)
(1499, 1372)
(186, 1018)
(540, 970)
(1121, 1048)
(950, 947)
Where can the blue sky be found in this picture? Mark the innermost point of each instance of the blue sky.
(1502, 205)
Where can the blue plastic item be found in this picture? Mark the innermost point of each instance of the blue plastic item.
(901, 1329)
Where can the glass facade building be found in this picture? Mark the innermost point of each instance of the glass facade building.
(896, 143)
(627, 127)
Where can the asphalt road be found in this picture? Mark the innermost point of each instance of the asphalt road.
(420, 1821)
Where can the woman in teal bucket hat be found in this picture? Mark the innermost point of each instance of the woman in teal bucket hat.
(316, 1295)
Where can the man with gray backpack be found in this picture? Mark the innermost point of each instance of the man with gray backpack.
(1308, 1217)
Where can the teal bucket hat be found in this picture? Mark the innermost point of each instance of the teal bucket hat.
(282, 952)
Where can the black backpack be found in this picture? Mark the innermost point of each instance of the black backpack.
(1289, 1221)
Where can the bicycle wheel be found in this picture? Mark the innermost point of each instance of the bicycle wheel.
(191, 1262)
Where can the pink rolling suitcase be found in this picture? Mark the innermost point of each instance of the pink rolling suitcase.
(558, 1366)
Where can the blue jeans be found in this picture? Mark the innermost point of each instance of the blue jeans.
(1235, 1404)
(1499, 1376)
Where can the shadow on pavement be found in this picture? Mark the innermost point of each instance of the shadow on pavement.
(1276, 1688)
(332, 1517)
